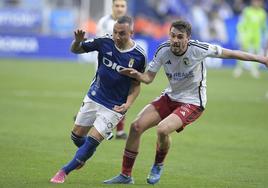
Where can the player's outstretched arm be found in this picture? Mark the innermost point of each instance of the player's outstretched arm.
(79, 36)
(245, 56)
(146, 77)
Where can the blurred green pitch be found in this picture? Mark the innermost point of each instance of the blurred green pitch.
(226, 148)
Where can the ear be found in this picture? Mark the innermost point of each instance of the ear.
(131, 33)
(189, 37)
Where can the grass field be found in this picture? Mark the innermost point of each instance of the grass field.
(226, 148)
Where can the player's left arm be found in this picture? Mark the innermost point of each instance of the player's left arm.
(244, 56)
(132, 95)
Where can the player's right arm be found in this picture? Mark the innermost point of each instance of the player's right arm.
(79, 36)
(146, 77)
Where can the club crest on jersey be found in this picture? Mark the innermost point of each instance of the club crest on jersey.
(131, 62)
(186, 61)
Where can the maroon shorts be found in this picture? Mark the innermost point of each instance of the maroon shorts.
(188, 113)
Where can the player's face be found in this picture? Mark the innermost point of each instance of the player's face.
(257, 3)
(119, 8)
(122, 34)
(178, 41)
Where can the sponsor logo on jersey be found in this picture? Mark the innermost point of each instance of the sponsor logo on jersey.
(181, 75)
(131, 62)
(186, 61)
(108, 63)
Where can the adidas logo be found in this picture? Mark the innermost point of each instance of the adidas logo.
(109, 53)
(168, 62)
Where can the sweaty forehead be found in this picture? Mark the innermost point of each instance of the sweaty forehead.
(121, 27)
(120, 3)
(175, 31)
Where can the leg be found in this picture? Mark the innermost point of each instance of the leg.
(165, 127)
(78, 134)
(81, 156)
(120, 133)
(148, 118)
(83, 121)
(183, 115)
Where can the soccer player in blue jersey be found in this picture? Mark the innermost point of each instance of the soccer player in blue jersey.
(110, 94)
(105, 26)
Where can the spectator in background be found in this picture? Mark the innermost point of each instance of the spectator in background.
(200, 21)
(250, 30)
(217, 27)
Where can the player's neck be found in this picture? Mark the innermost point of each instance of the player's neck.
(127, 46)
(114, 17)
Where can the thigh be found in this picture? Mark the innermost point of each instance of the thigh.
(87, 113)
(81, 130)
(106, 121)
(147, 118)
(170, 124)
(187, 113)
(161, 105)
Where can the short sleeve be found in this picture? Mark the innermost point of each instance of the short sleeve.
(91, 45)
(156, 63)
(214, 50)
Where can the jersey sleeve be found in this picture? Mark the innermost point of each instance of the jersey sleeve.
(214, 50)
(156, 63)
(91, 45)
(144, 62)
(203, 50)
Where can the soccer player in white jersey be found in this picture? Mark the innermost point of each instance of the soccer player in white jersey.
(110, 93)
(181, 103)
(106, 23)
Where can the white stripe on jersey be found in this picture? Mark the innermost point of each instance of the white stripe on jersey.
(186, 73)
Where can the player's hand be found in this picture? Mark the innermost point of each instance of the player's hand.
(133, 73)
(79, 35)
(121, 109)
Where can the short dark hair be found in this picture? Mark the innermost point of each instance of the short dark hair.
(117, 0)
(125, 19)
(183, 26)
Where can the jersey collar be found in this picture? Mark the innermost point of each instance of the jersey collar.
(127, 50)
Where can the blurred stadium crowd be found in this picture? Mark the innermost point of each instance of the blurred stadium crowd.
(30, 28)
(152, 17)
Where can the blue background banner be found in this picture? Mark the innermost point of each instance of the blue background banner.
(20, 21)
(35, 47)
(59, 47)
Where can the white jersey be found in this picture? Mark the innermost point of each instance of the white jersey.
(186, 73)
(105, 25)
